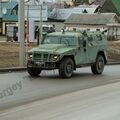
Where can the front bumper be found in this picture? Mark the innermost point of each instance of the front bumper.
(42, 65)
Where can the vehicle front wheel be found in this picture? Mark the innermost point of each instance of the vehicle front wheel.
(33, 71)
(66, 68)
(98, 66)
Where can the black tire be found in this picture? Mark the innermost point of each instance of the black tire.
(34, 72)
(98, 66)
(66, 68)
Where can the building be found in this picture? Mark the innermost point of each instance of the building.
(93, 22)
(64, 13)
(0, 25)
(0, 18)
(9, 15)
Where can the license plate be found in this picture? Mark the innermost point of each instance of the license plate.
(39, 63)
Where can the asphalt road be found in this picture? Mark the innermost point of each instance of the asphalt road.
(99, 103)
(19, 88)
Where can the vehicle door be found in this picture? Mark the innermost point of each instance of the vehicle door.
(92, 47)
(81, 55)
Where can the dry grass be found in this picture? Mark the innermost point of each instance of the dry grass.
(9, 53)
(114, 51)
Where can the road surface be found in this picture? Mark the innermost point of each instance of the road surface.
(19, 88)
(99, 103)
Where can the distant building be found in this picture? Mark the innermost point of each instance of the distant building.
(0, 18)
(63, 14)
(9, 15)
(0, 25)
(94, 22)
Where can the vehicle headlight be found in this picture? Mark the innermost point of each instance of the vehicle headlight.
(56, 57)
(30, 55)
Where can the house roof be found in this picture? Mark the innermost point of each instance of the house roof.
(89, 8)
(63, 14)
(0, 11)
(91, 19)
(9, 5)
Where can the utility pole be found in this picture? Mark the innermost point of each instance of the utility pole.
(41, 23)
(21, 31)
(40, 3)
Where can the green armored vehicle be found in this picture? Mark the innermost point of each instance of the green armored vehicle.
(68, 50)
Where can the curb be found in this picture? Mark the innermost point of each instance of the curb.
(12, 69)
(113, 63)
(15, 69)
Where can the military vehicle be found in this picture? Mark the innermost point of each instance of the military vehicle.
(67, 51)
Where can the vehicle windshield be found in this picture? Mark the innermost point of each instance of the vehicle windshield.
(70, 41)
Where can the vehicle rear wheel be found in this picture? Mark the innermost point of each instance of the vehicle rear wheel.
(98, 66)
(33, 71)
(66, 68)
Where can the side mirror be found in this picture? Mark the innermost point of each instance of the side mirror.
(43, 37)
(44, 34)
(84, 43)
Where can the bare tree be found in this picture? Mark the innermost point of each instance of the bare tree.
(80, 2)
(66, 5)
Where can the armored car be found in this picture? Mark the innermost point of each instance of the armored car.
(67, 51)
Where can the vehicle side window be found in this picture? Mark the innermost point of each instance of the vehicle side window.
(52, 40)
(68, 41)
